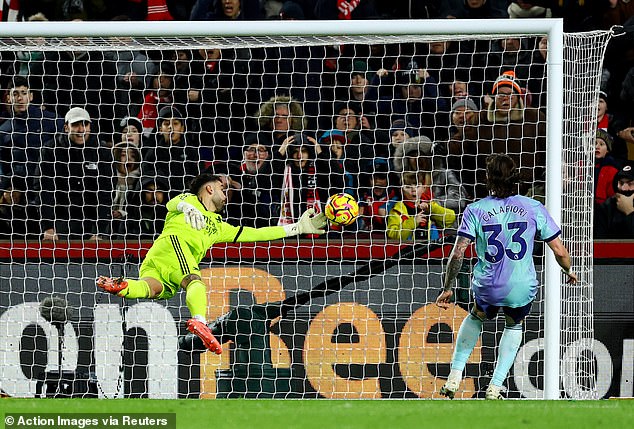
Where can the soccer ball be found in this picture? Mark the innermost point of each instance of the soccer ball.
(341, 209)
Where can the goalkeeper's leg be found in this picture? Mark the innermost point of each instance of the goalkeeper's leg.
(196, 299)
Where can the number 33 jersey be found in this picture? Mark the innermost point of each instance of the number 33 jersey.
(504, 231)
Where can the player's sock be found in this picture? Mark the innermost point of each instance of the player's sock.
(467, 338)
(136, 289)
(509, 345)
(196, 299)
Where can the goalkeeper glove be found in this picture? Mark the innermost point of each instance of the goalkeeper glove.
(193, 216)
(309, 223)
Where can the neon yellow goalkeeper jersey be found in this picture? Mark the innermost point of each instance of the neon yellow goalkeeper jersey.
(216, 231)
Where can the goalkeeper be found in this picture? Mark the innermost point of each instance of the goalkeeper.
(192, 226)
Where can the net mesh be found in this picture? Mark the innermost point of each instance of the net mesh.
(379, 336)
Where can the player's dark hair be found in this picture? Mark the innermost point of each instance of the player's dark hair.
(502, 175)
(199, 181)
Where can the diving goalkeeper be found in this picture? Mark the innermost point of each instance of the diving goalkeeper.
(192, 226)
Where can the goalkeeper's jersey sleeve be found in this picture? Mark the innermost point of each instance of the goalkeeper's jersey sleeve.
(215, 231)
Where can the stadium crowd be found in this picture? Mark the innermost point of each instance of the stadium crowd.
(93, 144)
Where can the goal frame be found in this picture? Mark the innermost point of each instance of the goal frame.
(553, 28)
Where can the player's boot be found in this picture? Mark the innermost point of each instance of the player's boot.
(111, 285)
(493, 392)
(202, 331)
(451, 387)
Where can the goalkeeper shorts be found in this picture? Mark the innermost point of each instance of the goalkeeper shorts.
(169, 262)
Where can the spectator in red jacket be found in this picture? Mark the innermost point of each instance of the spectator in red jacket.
(605, 167)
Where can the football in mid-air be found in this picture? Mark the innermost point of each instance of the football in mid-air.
(341, 209)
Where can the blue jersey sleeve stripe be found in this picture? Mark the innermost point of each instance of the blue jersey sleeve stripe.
(549, 239)
(464, 234)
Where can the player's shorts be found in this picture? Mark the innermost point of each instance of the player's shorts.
(516, 313)
(169, 262)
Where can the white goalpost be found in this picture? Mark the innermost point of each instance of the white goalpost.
(380, 335)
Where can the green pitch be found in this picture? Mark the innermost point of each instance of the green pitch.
(350, 414)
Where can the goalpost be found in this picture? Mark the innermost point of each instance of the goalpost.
(302, 357)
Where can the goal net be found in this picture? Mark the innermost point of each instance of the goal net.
(104, 122)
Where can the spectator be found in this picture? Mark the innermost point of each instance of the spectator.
(299, 184)
(147, 208)
(462, 148)
(18, 218)
(23, 135)
(344, 9)
(225, 10)
(374, 202)
(416, 155)
(605, 168)
(526, 9)
(278, 118)
(127, 162)
(81, 78)
(614, 219)
(415, 99)
(337, 164)
(258, 196)
(130, 129)
(77, 177)
(135, 74)
(30, 64)
(603, 117)
(508, 126)
(159, 95)
(417, 215)
(477, 9)
(175, 157)
(400, 131)
(214, 94)
(464, 114)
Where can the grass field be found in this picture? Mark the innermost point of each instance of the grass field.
(350, 414)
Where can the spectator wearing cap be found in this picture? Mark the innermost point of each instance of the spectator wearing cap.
(176, 156)
(508, 126)
(464, 113)
(337, 164)
(77, 179)
(23, 135)
(603, 117)
(130, 130)
(605, 167)
(462, 147)
(614, 219)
